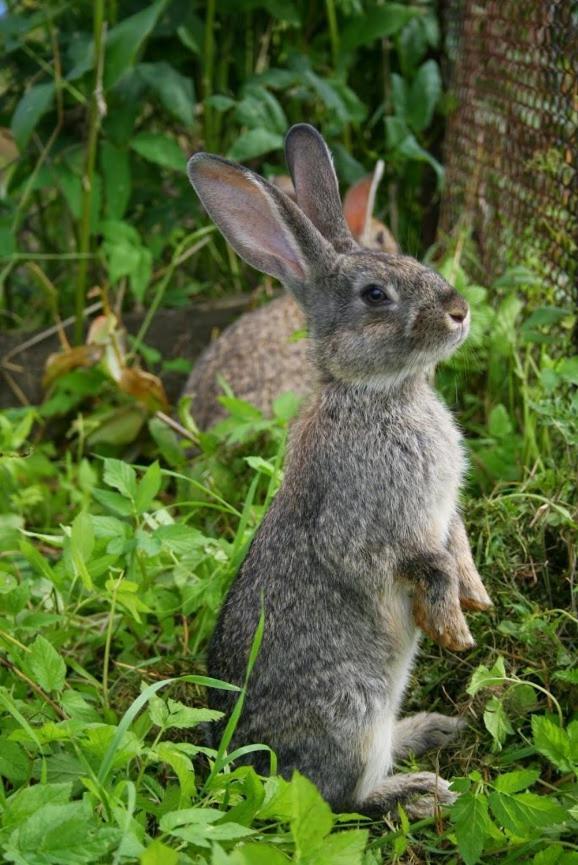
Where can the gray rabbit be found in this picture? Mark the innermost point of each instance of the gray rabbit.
(257, 354)
(363, 543)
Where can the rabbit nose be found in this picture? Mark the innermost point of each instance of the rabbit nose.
(458, 310)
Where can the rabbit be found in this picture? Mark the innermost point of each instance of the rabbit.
(257, 354)
(363, 542)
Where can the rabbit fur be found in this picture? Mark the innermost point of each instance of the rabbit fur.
(257, 354)
(363, 542)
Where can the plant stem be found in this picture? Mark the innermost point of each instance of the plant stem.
(208, 70)
(108, 643)
(97, 110)
(333, 31)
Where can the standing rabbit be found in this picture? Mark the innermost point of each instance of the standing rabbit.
(364, 540)
(257, 355)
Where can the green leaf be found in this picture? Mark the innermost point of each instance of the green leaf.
(180, 538)
(34, 104)
(496, 721)
(63, 834)
(15, 765)
(472, 824)
(524, 813)
(567, 368)
(158, 853)
(553, 742)
(342, 848)
(376, 23)
(113, 502)
(257, 854)
(169, 753)
(115, 169)
(124, 41)
(486, 678)
(172, 714)
(81, 546)
(286, 406)
(159, 149)
(174, 90)
(148, 487)
(121, 476)
(520, 779)
(28, 800)
(311, 818)
(45, 665)
(410, 148)
(253, 143)
(424, 95)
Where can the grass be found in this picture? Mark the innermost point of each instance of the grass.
(111, 576)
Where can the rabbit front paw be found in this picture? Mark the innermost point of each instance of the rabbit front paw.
(473, 594)
(443, 622)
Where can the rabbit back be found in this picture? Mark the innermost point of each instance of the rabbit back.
(259, 358)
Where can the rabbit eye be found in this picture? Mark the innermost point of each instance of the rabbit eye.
(374, 295)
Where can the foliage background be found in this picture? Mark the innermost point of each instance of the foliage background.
(121, 527)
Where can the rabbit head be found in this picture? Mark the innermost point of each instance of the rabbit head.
(374, 317)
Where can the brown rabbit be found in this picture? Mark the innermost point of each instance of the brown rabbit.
(258, 355)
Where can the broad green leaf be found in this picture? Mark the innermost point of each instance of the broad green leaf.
(34, 104)
(553, 742)
(64, 834)
(113, 502)
(158, 853)
(253, 143)
(520, 779)
(424, 95)
(311, 818)
(126, 39)
(567, 368)
(174, 90)
(189, 816)
(499, 424)
(257, 854)
(45, 665)
(15, 765)
(472, 822)
(524, 813)
(376, 23)
(115, 170)
(342, 848)
(159, 149)
(121, 476)
(169, 753)
(148, 487)
(82, 546)
(180, 538)
(28, 800)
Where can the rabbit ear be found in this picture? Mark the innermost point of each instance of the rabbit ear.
(261, 223)
(359, 202)
(316, 186)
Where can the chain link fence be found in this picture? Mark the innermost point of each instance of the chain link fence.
(511, 149)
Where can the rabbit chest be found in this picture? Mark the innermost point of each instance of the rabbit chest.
(390, 472)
